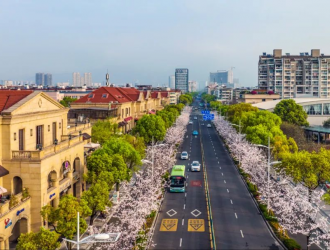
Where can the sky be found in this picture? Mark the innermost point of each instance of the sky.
(143, 41)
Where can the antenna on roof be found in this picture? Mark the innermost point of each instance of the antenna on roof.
(107, 78)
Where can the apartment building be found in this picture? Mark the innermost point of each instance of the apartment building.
(224, 94)
(124, 105)
(41, 158)
(295, 76)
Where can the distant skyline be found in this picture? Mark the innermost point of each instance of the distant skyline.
(145, 41)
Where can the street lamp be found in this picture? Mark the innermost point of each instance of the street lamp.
(103, 237)
(152, 158)
(268, 166)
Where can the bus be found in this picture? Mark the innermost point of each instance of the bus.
(178, 179)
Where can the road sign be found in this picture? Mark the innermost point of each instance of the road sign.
(208, 117)
(169, 225)
(205, 112)
(196, 225)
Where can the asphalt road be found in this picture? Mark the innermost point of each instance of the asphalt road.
(183, 204)
(237, 221)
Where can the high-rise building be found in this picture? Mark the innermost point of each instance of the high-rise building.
(192, 86)
(40, 78)
(76, 79)
(222, 77)
(294, 76)
(48, 79)
(181, 79)
(171, 82)
(88, 79)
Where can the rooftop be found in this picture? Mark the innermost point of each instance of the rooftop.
(10, 97)
(271, 104)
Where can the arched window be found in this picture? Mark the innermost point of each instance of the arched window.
(17, 185)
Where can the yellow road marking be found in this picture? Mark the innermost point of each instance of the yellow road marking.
(169, 225)
(196, 225)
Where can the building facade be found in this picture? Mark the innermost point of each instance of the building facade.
(40, 78)
(181, 79)
(222, 77)
(192, 86)
(76, 79)
(295, 76)
(48, 79)
(44, 156)
(124, 105)
(171, 82)
(88, 79)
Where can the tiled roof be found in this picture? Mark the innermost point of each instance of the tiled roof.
(10, 97)
(110, 94)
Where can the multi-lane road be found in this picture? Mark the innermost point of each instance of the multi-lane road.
(183, 221)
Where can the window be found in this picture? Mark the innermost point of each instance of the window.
(48, 128)
(14, 136)
(90, 95)
(104, 95)
(263, 100)
(39, 135)
(31, 132)
(21, 139)
(54, 131)
(59, 125)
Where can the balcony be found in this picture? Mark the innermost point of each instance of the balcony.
(37, 155)
(21, 204)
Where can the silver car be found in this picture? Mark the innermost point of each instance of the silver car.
(195, 166)
(184, 155)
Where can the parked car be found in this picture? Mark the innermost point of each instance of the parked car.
(184, 155)
(195, 132)
(195, 166)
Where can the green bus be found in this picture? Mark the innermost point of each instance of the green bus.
(178, 179)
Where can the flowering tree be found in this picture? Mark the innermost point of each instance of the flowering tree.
(145, 194)
(296, 211)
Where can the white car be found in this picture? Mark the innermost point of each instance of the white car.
(209, 125)
(195, 118)
(195, 166)
(190, 122)
(184, 155)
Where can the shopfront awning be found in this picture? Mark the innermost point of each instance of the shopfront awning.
(3, 171)
(128, 119)
(86, 136)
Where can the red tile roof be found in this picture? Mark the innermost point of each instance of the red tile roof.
(110, 94)
(10, 97)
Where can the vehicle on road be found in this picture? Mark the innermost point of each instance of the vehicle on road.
(178, 179)
(209, 125)
(195, 118)
(184, 155)
(195, 166)
(190, 122)
(195, 132)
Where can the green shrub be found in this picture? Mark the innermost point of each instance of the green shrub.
(166, 176)
(291, 244)
(13, 201)
(263, 208)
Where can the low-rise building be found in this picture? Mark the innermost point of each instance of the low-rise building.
(124, 105)
(44, 156)
(256, 98)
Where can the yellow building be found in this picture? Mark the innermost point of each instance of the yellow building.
(124, 105)
(44, 155)
(257, 98)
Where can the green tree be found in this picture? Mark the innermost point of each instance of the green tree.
(186, 99)
(67, 100)
(122, 147)
(150, 126)
(137, 142)
(326, 123)
(235, 111)
(44, 239)
(208, 98)
(167, 116)
(97, 198)
(215, 105)
(309, 169)
(103, 130)
(64, 218)
(291, 112)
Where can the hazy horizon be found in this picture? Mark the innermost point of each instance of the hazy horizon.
(145, 41)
